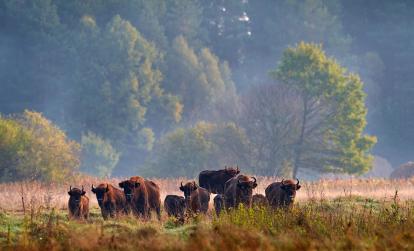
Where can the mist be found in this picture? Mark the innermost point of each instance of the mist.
(167, 84)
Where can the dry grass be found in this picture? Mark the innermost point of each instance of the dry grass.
(36, 194)
(352, 214)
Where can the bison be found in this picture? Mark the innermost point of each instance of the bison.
(78, 204)
(154, 198)
(196, 198)
(259, 200)
(174, 205)
(214, 181)
(238, 190)
(282, 194)
(136, 195)
(218, 203)
(111, 200)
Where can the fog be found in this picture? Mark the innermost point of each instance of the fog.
(135, 73)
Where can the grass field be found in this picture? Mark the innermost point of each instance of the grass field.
(328, 215)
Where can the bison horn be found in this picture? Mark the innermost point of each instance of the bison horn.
(297, 182)
(82, 189)
(107, 186)
(238, 181)
(283, 181)
(255, 181)
(181, 184)
(93, 187)
(70, 188)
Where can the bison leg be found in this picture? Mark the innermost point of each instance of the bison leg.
(104, 214)
(158, 210)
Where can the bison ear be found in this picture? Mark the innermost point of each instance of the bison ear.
(70, 193)
(121, 184)
(298, 187)
(254, 185)
(83, 193)
(182, 188)
(137, 184)
(93, 190)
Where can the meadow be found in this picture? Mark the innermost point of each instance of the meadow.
(348, 214)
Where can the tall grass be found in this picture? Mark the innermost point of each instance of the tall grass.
(319, 220)
(347, 223)
(54, 195)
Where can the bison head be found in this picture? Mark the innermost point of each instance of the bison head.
(100, 192)
(245, 187)
(290, 188)
(231, 171)
(76, 194)
(129, 186)
(188, 188)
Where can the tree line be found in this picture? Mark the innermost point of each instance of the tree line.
(173, 87)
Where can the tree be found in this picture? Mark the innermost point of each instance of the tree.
(14, 142)
(98, 157)
(186, 152)
(270, 117)
(332, 114)
(183, 18)
(34, 148)
(122, 83)
(199, 79)
(227, 25)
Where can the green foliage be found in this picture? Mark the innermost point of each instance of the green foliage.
(98, 157)
(186, 152)
(183, 19)
(122, 80)
(328, 225)
(333, 112)
(34, 148)
(133, 70)
(14, 142)
(200, 79)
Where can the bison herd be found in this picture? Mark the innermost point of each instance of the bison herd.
(141, 197)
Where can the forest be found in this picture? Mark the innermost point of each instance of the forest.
(170, 88)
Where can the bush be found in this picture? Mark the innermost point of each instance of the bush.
(32, 147)
(14, 142)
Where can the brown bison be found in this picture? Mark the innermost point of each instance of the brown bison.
(196, 198)
(154, 198)
(111, 200)
(136, 195)
(78, 204)
(218, 203)
(238, 190)
(214, 181)
(282, 194)
(174, 205)
(259, 200)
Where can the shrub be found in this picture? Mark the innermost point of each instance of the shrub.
(34, 148)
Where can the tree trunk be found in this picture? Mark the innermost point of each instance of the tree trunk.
(299, 144)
